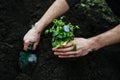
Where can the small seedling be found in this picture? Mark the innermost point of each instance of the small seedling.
(62, 33)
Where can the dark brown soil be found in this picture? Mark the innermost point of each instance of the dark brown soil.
(16, 16)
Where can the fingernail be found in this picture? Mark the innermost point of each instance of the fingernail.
(55, 53)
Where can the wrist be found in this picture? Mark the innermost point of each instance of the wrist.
(94, 44)
(38, 27)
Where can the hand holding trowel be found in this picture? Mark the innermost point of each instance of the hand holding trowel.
(27, 57)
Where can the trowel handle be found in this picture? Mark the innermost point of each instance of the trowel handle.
(30, 47)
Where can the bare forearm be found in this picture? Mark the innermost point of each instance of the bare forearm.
(110, 37)
(57, 8)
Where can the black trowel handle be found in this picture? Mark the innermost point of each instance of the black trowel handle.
(30, 47)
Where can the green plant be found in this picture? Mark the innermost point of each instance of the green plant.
(62, 33)
(99, 6)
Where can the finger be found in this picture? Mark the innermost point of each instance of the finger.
(63, 49)
(68, 56)
(35, 45)
(65, 53)
(26, 44)
(71, 56)
(68, 53)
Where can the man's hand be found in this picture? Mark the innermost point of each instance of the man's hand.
(31, 37)
(83, 47)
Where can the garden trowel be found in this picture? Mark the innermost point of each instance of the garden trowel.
(27, 57)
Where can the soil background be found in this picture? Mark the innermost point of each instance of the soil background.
(16, 17)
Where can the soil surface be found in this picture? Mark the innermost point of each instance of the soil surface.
(16, 17)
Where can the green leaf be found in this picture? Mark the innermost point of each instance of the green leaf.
(55, 33)
(47, 31)
(74, 47)
(59, 36)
